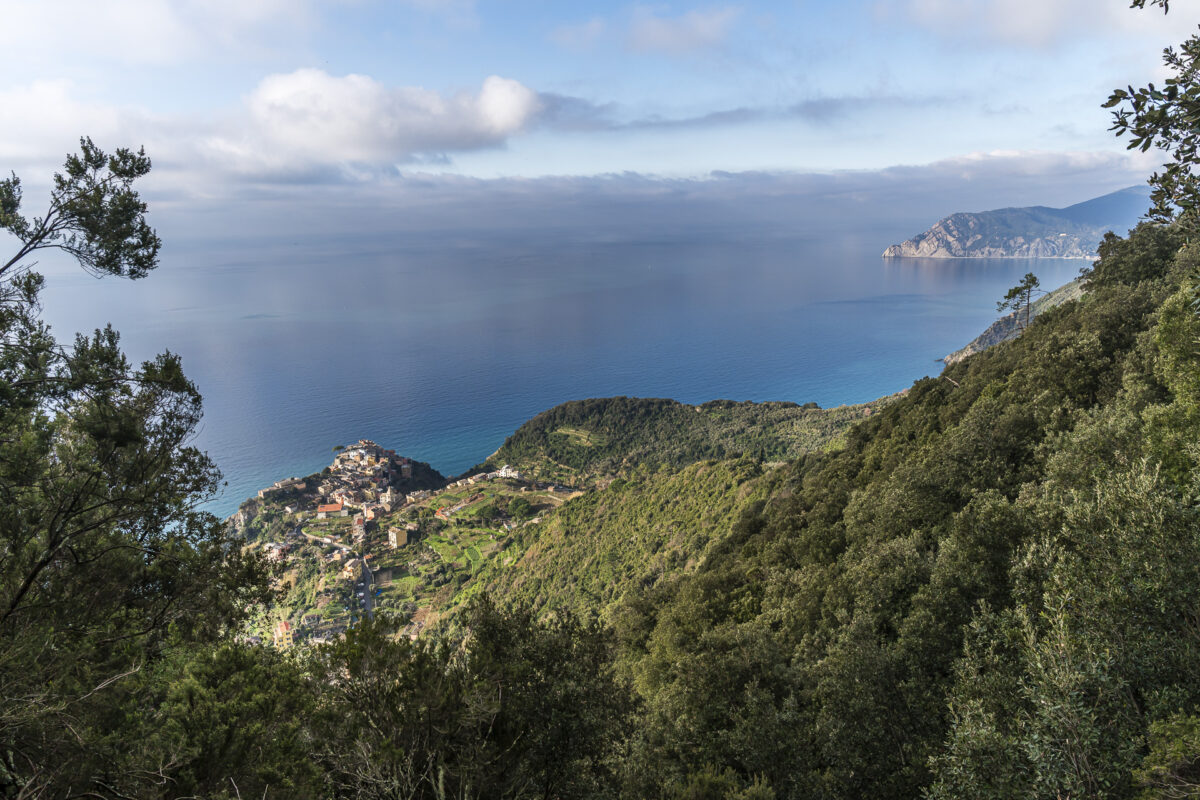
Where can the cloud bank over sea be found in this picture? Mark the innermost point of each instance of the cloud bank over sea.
(440, 208)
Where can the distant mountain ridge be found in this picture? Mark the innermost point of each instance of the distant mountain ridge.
(1034, 232)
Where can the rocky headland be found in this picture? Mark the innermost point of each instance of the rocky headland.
(1034, 232)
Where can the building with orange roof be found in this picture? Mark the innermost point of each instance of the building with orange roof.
(331, 510)
(283, 635)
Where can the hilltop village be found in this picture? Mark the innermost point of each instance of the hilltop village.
(376, 531)
(363, 476)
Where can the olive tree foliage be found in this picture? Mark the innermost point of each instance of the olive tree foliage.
(520, 708)
(1088, 685)
(104, 559)
(1054, 698)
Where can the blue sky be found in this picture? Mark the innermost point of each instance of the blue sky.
(283, 94)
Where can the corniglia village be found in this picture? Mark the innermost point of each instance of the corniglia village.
(374, 530)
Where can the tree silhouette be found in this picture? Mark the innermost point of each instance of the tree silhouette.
(1020, 299)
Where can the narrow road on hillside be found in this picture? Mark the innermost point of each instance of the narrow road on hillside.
(368, 590)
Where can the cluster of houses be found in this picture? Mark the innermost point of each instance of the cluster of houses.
(362, 476)
(360, 483)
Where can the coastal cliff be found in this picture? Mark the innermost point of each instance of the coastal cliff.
(1034, 232)
(1008, 326)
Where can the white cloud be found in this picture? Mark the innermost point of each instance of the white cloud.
(162, 32)
(1019, 165)
(145, 31)
(695, 30)
(309, 119)
(127, 31)
(581, 36)
(309, 126)
(1036, 23)
(302, 125)
(45, 119)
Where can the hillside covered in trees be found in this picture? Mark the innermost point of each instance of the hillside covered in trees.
(585, 440)
(987, 592)
(984, 589)
(983, 594)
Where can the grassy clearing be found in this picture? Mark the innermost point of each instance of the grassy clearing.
(582, 438)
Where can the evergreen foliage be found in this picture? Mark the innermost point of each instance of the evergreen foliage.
(105, 566)
(1020, 299)
(520, 709)
(95, 216)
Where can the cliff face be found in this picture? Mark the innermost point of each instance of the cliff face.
(1034, 232)
(1008, 326)
(975, 236)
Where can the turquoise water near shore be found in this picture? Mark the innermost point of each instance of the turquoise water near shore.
(441, 349)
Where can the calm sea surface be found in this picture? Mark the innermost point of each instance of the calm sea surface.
(440, 350)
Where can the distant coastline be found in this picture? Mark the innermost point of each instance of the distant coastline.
(1092, 256)
(1034, 232)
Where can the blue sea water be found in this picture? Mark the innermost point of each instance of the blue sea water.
(440, 349)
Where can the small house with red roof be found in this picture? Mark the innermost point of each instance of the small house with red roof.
(331, 510)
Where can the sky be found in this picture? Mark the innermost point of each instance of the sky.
(308, 105)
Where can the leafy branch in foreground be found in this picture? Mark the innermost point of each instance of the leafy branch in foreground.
(1167, 118)
(105, 565)
(95, 216)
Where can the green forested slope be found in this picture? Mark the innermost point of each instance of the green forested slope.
(881, 620)
(652, 525)
(1041, 499)
(587, 439)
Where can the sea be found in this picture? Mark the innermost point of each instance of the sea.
(440, 346)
